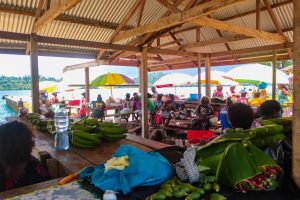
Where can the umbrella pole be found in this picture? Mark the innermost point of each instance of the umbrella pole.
(111, 91)
(175, 90)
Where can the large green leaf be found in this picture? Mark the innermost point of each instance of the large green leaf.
(236, 165)
(212, 162)
(259, 157)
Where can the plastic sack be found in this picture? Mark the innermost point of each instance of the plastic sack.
(145, 169)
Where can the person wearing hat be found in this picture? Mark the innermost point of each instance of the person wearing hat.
(82, 110)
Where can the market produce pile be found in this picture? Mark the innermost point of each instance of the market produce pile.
(88, 133)
(175, 188)
(41, 123)
(236, 159)
(85, 133)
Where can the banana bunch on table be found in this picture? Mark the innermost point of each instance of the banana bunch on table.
(40, 123)
(88, 133)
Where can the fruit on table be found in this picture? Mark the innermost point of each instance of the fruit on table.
(158, 196)
(193, 196)
(216, 196)
(207, 186)
(216, 187)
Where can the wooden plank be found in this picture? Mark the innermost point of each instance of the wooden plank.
(226, 26)
(126, 19)
(198, 34)
(276, 5)
(254, 49)
(18, 10)
(100, 53)
(172, 52)
(213, 42)
(207, 76)
(54, 11)
(87, 83)
(179, 18)
(258, 5)
(296, 96)
(144, 78)
(129, 63)
(28, 189)
(274, 63)
(276, 23)
(169, 6)
(199, 78)
(169, 43)
(34, 66)
(140, 13)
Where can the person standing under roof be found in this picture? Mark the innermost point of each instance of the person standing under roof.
(218, 92)
(154, 92)
(98, 108)
(54, 99)
(83, 104)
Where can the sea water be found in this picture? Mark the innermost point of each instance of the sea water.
(6, 112)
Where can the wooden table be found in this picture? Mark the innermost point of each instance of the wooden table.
(75, 159)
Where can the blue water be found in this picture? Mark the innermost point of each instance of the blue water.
(5, 111)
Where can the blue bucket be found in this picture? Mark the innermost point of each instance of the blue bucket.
(194, 97)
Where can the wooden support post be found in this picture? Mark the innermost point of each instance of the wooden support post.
(207, 76)
(140, 77)
(296, 96)
(87, 83)
(199, 78)
(144, 82)
(274, 75)
(34, 66)
(258, 3)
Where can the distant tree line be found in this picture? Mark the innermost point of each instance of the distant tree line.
(20, 83)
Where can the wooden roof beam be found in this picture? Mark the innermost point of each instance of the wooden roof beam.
(178, 18)
(240, 15)
(140, 13)
(59, 7)
(276, 23)
(252, 50)
(226, 26)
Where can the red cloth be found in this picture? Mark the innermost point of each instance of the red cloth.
(82, 110)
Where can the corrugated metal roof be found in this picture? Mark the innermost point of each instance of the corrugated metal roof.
(113, 12)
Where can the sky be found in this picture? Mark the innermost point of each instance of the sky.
(19, 65)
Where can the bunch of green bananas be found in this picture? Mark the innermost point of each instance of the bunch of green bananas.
(88, 133)
(44, 125)
(175, 188)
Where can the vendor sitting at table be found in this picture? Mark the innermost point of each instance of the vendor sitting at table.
(269, 109)
(204, 112)
(126, 107)
(98, 108)
(167, 110)
(18, 167)
(181, 113)
(136, 105)
(256, 101)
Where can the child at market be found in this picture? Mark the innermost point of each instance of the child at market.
(18, 167)
(223, 116)
(240, 116)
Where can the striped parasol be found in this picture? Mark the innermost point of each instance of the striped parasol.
(110, 80)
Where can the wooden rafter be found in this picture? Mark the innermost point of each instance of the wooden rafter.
(122, 24)
(169, 43)
(140, 13)
(58, 8)
(240, 15)
(126, 19)
(258, 5)
(100, 53)
(179, 18)
(36, 17)
(226, 26)
(170, 7)
(276, 23)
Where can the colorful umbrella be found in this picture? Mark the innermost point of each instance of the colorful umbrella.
(175, 79)
(48, 86)
(110, 80)
(215, 79)
(255, 74)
